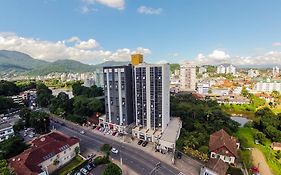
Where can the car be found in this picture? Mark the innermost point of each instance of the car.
(140, 142)
(84, 171)
(114, 150)
(179, 155)
(77, 173)
(31, 135)
(88, 167)
(144, 143)
(25, 134)
(82, 132)
(114, 133)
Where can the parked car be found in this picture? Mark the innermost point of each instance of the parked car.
(84, 171)
(144, 143)
(82, 132)
(140, 142)
(88, 167)
(77, 173)
(179, 155)
(114, 150)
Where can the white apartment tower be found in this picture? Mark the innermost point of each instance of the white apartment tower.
(275, 71)
(152, 96)
(187, 77)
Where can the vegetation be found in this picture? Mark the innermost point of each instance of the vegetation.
(105, 148)
(4, 169)
(93, 91)
(6, 103)
(234, 171)
(200, 119)
(112, 168)
(33, 119)
(73, 164)
(174, 67)
(11, 147)
(8, 88)
(44, 95)
(101, 160)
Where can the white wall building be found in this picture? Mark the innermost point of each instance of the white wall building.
(152, 100)
(275, 71)
(187, 77)
(267, 86)
(202, 70)
(6, 131)
(253, 73)
(226, 69)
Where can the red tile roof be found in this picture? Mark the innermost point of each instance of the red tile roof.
(218, 166)
(41, 149)
(221, 139)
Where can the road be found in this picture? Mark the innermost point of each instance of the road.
(260, 162)
(136, 159)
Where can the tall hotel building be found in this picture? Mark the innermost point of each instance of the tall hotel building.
(118, 82)
(152, 100)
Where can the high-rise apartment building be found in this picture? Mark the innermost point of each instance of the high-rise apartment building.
(226, 69)
(152, 96)
(118, 82)
(275, 71)
(187, 77)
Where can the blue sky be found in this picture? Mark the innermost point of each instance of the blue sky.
(213, 30)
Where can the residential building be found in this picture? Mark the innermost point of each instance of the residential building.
(214, 167)
(203, 88)
(202, 70)
(6, 131)
(226, 69)
(152, 100)
(119, 99)
(99, 81)
(45, 155)
(275, 71)
(89, 82)
(267, 86)
(276, 146)
(223, 146)
(18, 99)
(187, 77)
(253, 73)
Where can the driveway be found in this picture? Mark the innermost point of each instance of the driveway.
(260, 162)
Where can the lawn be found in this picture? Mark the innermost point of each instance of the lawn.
(74, 163)
(276, 110)
(246, 135)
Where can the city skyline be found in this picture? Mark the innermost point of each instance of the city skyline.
(241, 33)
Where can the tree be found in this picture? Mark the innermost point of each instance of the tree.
(4, 170)
(8, 88)
(11, 147)
(40, 122)
(105, 148)
(44, 95)
(6, 103)
(260, 137)
(245, 92)
(111, 169)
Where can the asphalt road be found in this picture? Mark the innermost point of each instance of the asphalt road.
(138, 160)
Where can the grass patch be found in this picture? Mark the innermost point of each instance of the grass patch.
(74, 163)
(276, 110)
(246, 138)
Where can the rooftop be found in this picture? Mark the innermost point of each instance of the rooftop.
(41, 149)
(218, 166)
(172, 131)
(5, 125)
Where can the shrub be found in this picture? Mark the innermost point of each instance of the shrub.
(204, 149)
(101, 160)
(196, 154)
(111, 169)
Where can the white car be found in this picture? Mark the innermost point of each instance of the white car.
(114, 150)
(82, 132)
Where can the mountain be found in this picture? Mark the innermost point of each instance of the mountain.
(17, 62)
(61, 66)
(13, 61)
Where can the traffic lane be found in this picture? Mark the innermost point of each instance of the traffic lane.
(132, 154)
(138, 166)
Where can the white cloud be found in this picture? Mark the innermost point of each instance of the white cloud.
(149, 10)
(84, 51)
(276, 44)
(90, 44)
(117, 4)
(220, 57)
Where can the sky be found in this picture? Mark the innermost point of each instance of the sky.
(240, 32)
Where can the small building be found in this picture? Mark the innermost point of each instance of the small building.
(223, 146)
(214, 167)
(6, 131)
(45, 155)
(170, 135)
(276, 146)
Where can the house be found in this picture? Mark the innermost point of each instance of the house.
(276, 146)
(6, 131)
(223, 146)
(45, 155)
(214, 167)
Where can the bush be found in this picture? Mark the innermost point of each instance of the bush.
(101, 160)
(111, 169)
(196, 154)
(246, 158)
(204, 149)
(260, 137)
